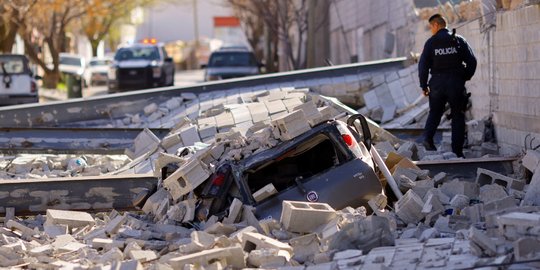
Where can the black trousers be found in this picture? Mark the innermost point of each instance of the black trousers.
(447, 88)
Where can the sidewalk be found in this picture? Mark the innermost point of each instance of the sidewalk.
(51, 94)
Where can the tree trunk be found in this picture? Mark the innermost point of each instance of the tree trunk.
(51, 79)
(8, 32)
(95, 45)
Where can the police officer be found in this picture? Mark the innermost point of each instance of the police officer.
(451, 62)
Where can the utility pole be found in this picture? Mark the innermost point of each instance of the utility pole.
(196, 34)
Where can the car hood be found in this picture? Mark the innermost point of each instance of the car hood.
(71, 69)
(134, 63)
(96, 69)
(232, 70)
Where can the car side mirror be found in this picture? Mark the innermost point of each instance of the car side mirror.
(203, 66)
(37, 77)
(169, 60)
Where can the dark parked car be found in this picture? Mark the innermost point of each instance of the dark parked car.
(140, 66)
(231, 62)
(17, 82)
(328, 164)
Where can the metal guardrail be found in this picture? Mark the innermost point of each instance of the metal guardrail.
(107, 141)
(57, 114)
(96, 193)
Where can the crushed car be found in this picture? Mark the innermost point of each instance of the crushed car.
(330, 163)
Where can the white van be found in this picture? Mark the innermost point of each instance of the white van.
(17, 83)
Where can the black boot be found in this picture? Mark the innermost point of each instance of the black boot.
(429, 145)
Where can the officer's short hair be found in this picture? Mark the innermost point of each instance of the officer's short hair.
(439, 19)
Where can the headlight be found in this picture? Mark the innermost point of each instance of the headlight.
(156, 72)
(112, 73)
(212, 78)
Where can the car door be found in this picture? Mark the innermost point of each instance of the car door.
(350, 184)
(15, 79)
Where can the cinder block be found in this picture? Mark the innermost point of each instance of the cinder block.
(531, 160)
(485, 177)
(26, 231)
(152, 203)
(252, 241)
(233, 256)
(224, 121)
(106, 243)
(304, 217)
(527, 249)
(486, 244)
(142, 255)
(275, 106)
(113, 226)
(456, 187)
(241, 114)
(264, 192)
(258, 112)
(492, 192)
(409, 208)
(290, 126)
(234, 212)
(311, 113)
(186, 178)
(190, 135)
(73, 219)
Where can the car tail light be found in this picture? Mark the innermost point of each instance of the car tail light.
(33, 87)
(349, 140)
(218, 180)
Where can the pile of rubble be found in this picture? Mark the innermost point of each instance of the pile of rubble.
(438, 223)
(28, 166)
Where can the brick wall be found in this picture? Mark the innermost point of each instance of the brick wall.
(507, 82)
(359, 28)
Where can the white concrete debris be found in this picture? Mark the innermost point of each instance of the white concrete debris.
(436, 224)
(24, 166)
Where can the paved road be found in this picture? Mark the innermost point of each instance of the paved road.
(181, 78)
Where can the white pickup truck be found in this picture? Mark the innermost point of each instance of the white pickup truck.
(17, 83)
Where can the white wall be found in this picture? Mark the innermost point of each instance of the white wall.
(174, 21)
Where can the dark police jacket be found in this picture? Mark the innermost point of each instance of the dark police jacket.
(445, 53)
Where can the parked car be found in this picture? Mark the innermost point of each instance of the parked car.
(330, 163)
(72, 63)
(97, 71)
(140, 66)
(231, 62)
(17, 82)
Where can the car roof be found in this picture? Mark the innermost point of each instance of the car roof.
(263, 156)
(140, 45)
(233, 49)
(71, 55)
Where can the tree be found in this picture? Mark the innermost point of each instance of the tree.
(44, 24)
(284, 20)
(103, 14)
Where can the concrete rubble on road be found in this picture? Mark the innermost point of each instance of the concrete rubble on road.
(439, 223)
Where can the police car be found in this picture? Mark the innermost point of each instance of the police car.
(140, 66)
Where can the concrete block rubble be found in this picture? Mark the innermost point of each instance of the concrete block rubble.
(42, 166)
(439, 223)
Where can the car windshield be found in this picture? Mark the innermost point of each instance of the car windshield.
(94, 63)
(232, 59)
(137, 53)
(70, 61)
(11, 65)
